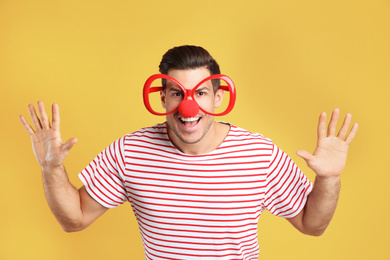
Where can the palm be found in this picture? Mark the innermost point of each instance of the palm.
(330, 155)
(47, 147)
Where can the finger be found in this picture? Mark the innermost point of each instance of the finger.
(305, 155)
(344, 128)
(34, 117)
(321, 129)
(56, 117)
(69, 144)
(44, 118)
(333, 122)
(352, 134)
(26, 126)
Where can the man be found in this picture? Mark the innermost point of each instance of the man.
(196, 186)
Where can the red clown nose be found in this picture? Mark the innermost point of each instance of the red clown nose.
(188, 108)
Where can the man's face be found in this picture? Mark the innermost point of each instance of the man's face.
(190, 130)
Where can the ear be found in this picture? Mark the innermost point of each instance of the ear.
(163, 99)
(218, 98)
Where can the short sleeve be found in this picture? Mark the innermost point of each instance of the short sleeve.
(102, 178)
(287, 187)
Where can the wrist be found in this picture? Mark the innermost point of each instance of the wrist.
(52, 169)
(330, 177)
(54, 176)
(328, 180)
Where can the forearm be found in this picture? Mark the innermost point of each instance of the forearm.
(63, 198)
(321, 205)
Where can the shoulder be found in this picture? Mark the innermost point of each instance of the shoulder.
(153, 135)
(158, 130)
(240, 140)
(242, 134)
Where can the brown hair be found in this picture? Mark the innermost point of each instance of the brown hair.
(189, 57)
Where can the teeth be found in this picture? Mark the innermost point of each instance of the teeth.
(189, 119)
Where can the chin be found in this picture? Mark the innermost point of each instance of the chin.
(190, 140)
(187, 137)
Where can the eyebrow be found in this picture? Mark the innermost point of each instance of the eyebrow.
(202, 89)
(175, 88)
(178, 88)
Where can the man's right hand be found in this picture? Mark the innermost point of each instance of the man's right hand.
(74, 209)
(49, 149)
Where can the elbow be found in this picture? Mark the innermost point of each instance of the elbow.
(72, 227)
(309, 227)
(316, 232)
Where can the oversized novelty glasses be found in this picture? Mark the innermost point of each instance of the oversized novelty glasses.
(187, 107)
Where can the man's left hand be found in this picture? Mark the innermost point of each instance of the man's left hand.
(330, 155)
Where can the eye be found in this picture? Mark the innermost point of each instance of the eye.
(177, 94)
(201, 93)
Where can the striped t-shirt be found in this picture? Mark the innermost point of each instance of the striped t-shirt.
(197, 206)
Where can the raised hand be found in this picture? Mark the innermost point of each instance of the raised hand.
(330, 155)
(49, 149)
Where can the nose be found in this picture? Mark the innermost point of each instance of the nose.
(188, 108)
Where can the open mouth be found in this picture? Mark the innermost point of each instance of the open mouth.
(189, 121)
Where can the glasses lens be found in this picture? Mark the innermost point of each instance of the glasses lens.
(154, 96)
(211, 101)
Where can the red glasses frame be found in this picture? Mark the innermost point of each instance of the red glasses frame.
(188, 92)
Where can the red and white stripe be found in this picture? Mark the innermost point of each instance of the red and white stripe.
(197, 206)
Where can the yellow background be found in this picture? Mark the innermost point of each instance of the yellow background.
(290, 60)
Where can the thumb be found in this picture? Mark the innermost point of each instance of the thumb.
(69, 144)
(304, 155)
